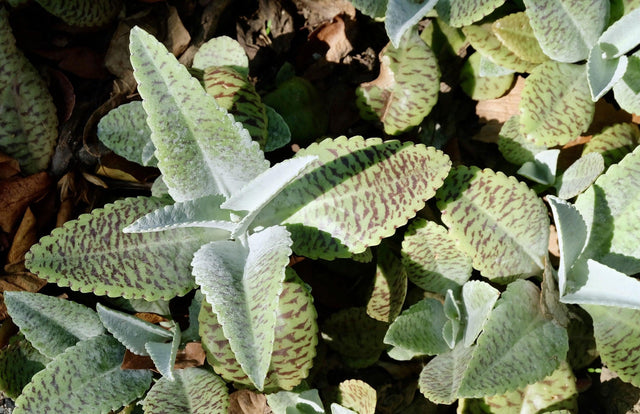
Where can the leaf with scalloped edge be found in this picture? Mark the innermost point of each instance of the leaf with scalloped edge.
(611, 210)
(614, 142)
(406, 89)
(19, 362)
(513, 146)
(194, 391)
(556, 104)
(293, 346)
(401, 15)
(432, 258)
(486, 43)
(418, 330)
(83, 13)
(242, 283)
(164, 354)
(93, 254)
(359, 192)
(499, 222)
(51, 324)
(201, 149)
(627, 90)
(125, 131)
(478, 299)
(515, 32)
(28, 118)
(222, 51)
(567, 29)
(580, 175)
(480, 87)
(389, 286)
(85, 378)
(358, 396)
(458, 13)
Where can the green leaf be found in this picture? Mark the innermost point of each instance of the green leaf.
(603, 73)
(460, 13)
(580, 175)
(242, 283)
(359, 192)
(51, 324)
(556, 104)
(617, 335)
(499, 222)
(358, 396)
(489, 69)
(288, 402)
(372, 8)
(19, 362)
(543, 167)
(293, 347)
(192, 333)
(432, 258)
(93, 254)
(479, 87)
(622, 36)
(418, 330)
(514, 147)
(194, 391)
(83, 13)
(614, 142)
(389, 286)
(451, 329)
(278, 132)
(86, 378)
(478, 299)
(486, 43)
(515, 32)
(201, 150)
(441, 378)
(401, 15)
(567, 29)
(131, 331)
(164, 354)
(222, 51)
(627, 90)
(125, 131)
(406, 89)
(28, 120)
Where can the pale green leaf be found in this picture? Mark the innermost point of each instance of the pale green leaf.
(242, 283)
(459, 13)
(622, 36)
(286, 402)
(406, 89)
(514, 147)
(51, 324)
(432, 259)
(201, 212)
(389, 286)
(500, 223)
(401, 15)
(86, 378)
(478, 299)
(28, 120)
(580, 175)
(489, 69)
(201, 150)
(19, 362)
(93, 254)
(222, 51)
(194, 391)
(441, 378)
(627, 90)
(603, 73)
(451, 328)
(358, 396)
(485, 42)
(338, 409)
(293, 347)
(191, 334)
(359, 192)
(543, 167)
(515, 32)
(556, 104)
(131, 331)
(550, 303)
(125, 131)
(83, 13)
(567, 29)
(278, 132)
(372, 8)
(480, 87)
(164, 354)
(614, 142)
(418, 330)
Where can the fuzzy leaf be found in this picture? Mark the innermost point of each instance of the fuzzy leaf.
(432, 259)
(543, 167)
(479, 87)
(389, 287)
(441, 378)
(87, 372)
(83, 13)
(293, 346)
(372, 8)
(486, 43)
(627, 90)
(19, 362)
(125, 131)
(622, 36)
(289, 402)
(194, 391)
(460, 13)
(406, 89)
(192, 333)
(201, 150)
(278, 132)
(478, 299)
(514, 147)
(92, 254)
(242, 284)
(164, 354)
(222, 51)
(515, 32)
(580, 175)
(556, 104)
(602, 73)
(614, 142)
(401, 15)
(28, 120)
(567, 29)
(51, 324)
(498, 221)
(359, 192)
(131, 331)
(358, 396)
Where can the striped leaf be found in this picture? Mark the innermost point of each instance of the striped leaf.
(19, 362)
(201, 150)
(93, 254)
(389, 286)
(83, 13)
(222, 51)
(580, 175)
(515, 32)
(614, 142)
(499, 222)
(358, 396)
(514, 147)
(458, 13)
(486, 43)
(480, 87)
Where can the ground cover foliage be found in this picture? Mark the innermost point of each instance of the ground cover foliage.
(320, 207)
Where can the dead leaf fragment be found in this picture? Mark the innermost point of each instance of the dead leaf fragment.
(23, 240)
(192, 355)
(495, 112)
(8, 166)
(17, 193)
(334, 36)
(248, 402)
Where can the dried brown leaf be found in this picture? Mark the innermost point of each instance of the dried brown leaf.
(9, 166)
(17, 193)
(495, 112)
(23, 240)
(248, 402)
